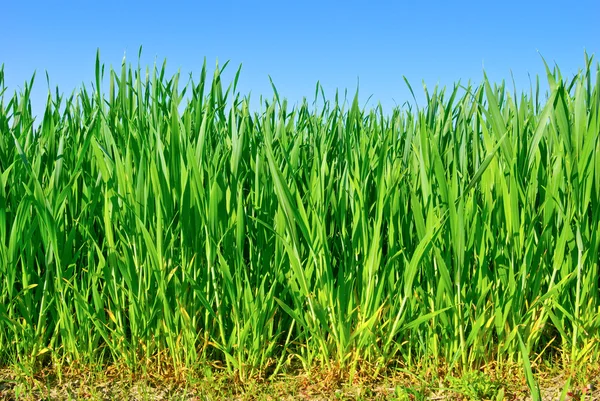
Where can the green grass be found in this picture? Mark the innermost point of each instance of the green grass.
(167, 227)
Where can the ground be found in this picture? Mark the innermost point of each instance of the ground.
(486, 384)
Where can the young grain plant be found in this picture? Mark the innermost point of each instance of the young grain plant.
(168, 226)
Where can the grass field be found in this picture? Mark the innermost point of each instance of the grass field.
(165, 228)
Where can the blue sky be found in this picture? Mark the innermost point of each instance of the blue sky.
(300, 43)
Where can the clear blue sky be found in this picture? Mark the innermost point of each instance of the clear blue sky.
(300, 42)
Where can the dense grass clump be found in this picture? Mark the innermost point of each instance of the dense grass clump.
(159, 225)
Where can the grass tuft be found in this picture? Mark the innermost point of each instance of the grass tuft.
(167, 228)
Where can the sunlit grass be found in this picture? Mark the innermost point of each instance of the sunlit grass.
(168, 225)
